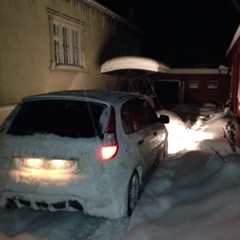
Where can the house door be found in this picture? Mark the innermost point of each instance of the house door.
(169, 92)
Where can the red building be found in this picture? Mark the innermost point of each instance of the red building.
(194, 86)
(233, 55)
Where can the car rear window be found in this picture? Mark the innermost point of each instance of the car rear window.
(64, 118)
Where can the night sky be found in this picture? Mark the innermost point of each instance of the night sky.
(183, 33)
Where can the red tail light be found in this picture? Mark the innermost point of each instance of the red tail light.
(110, 145)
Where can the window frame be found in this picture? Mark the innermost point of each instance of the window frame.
(150, 114)
(127, 116)
(212, 84)
(193, 84)
(66, 34)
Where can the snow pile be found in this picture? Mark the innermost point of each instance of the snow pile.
(133, 62)
(199, 128)
(195, 195)
(192, 197)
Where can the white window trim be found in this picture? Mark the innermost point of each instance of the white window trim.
(212, 84)
(193, 84)
(71, 57)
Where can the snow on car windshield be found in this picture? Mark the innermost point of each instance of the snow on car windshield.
(61, 117)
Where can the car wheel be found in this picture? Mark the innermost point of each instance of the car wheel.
(133, 192)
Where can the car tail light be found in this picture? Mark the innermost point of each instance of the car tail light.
(110, 145)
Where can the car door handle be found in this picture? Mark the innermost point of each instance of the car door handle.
(140, 141)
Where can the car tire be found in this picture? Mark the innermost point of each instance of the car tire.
(133, 192)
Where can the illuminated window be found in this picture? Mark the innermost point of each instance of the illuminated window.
(66, 42)
(193, 84)
(213, 84)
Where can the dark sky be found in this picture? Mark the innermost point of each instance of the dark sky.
(183, 33)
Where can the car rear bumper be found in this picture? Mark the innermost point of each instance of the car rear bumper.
(95, 195)
(19, 200)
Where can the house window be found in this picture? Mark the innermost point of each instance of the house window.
(193, 84)
(213, 84)
(66, 42)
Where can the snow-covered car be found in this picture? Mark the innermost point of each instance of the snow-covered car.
(86, 149)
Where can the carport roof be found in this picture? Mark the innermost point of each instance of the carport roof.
(133, 63)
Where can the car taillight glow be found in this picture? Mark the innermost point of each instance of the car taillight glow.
(109, 152)
(110, 145)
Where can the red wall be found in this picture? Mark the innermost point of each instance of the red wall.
(203, 94)
(234, 60)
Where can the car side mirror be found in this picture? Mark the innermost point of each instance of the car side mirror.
(164, 119)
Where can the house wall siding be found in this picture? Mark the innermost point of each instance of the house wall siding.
(26, 50)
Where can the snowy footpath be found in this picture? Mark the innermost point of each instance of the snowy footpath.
(193, 195)
(29, 224)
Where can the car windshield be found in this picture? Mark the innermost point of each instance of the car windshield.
(64, 118)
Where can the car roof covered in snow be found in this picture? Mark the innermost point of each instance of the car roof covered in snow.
(103, 96)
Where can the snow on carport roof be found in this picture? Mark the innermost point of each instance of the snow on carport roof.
(133, 62)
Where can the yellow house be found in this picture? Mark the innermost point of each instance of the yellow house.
(50, 45)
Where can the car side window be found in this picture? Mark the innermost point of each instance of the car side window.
(133, 117)
(149, 111)
(125, 120)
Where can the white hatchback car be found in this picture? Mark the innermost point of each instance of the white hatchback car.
(84, 149)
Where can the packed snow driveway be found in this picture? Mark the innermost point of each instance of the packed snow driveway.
(29, 224)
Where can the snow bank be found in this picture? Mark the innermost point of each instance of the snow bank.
(133, 62)
(192, 197)
(195, 195)
(199, 128)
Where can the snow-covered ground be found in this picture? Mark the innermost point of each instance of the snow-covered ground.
(192, 195)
